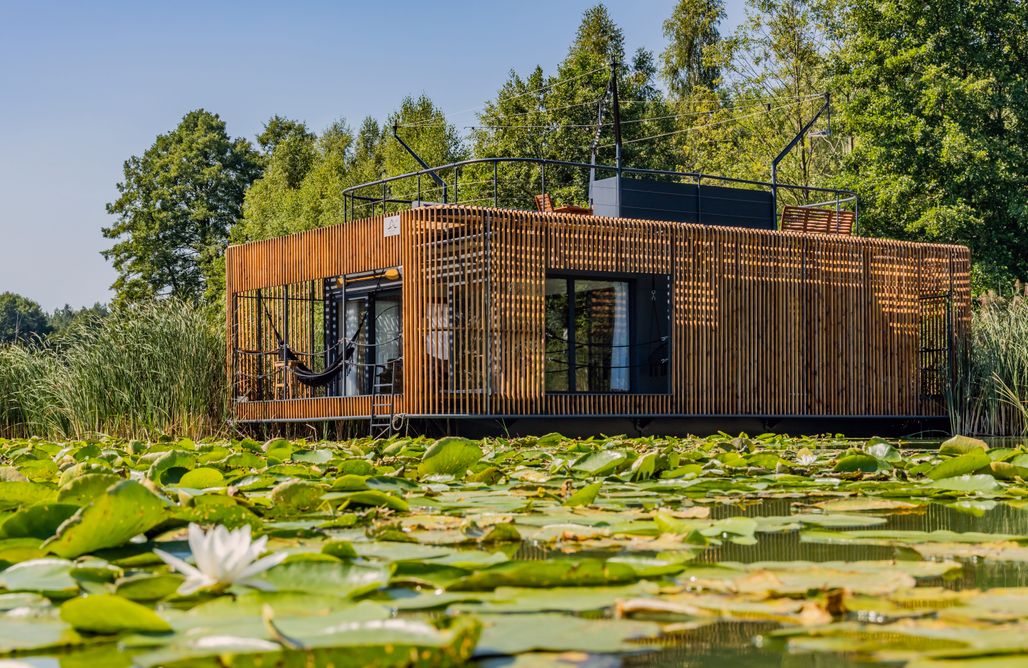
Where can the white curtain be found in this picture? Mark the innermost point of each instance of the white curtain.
(620, 353)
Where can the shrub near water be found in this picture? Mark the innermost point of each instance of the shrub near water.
(144, 369)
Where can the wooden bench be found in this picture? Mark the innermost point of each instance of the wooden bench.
(545, 204)
(817, 221)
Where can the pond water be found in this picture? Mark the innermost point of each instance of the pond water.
(522, 553)
(747, 644)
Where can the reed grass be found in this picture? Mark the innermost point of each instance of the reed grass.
(144, 370)
(990, 396)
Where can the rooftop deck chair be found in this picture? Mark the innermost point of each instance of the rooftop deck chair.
(817, 221)
(545, 204)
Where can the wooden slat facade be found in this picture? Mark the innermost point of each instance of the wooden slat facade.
(763, 323)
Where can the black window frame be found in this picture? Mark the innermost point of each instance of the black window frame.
(339, 291)
(570, 277)
(637, 285)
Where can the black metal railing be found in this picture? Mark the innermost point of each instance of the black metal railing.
(482, 181)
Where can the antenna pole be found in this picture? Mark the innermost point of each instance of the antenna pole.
(826, 107)
(424, 165)
(617, 117)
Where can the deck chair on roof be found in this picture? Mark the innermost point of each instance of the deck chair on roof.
(544, 204)
(817, 221)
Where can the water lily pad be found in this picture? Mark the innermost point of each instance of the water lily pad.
(451, 456)
(551, 573)
(584, 496)
(202, 478)
(969, 462)
(51, 577)
(39, 521)
(335, 578)
(514, 634)
(107, 614)
(125, 510)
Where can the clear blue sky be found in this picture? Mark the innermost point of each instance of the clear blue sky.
(83, 86)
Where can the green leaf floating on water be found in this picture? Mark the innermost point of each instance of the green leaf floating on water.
(202, 478)
(550, 573)
(14, 493)
(383, 643)
(449, 456)
(967, 483)
(514, 634)
(960, 445)
(961, 465)
(83, 489)
(584, 496)
(330, 578)
(40, 521)
(22, 635)
(48, 576)
(108, 614)
(864, 463)
(123, 511)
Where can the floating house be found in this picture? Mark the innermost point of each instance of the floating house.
(662, 303)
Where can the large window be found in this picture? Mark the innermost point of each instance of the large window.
(607, 334)
(368, 331)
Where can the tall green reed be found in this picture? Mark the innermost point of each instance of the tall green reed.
(991, 393)
(142, 370)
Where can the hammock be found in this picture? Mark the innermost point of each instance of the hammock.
(308, 376)
(303, 373)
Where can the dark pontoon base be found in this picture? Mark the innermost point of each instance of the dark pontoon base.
(683, 425)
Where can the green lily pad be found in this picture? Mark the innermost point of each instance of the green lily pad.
(449, 456)
(125, 510)
(108, 614)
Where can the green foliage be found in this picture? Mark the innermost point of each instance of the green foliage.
(175, 208)
(936, 96)
(144, 369)
(305, 175)
(692, 34)
(21, 319)
(555, 116)
(66, 318)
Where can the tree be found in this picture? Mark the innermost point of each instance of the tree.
(305, 175)
(692, 33)
(936, 96)
(21, 319)
(65, 318)
(774, 68)
(177, 204)
(557, 117)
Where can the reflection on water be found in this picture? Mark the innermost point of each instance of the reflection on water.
(741, 644)
(735, 645)
(1003, 519)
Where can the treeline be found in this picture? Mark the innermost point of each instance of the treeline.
(929, 125)
(22, 319)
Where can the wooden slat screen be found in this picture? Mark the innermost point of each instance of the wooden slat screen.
(763, 322)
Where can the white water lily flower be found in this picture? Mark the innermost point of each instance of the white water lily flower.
(805, 457)
(223, 558)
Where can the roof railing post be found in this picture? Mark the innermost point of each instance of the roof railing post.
(495, 199)
(699, 198)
